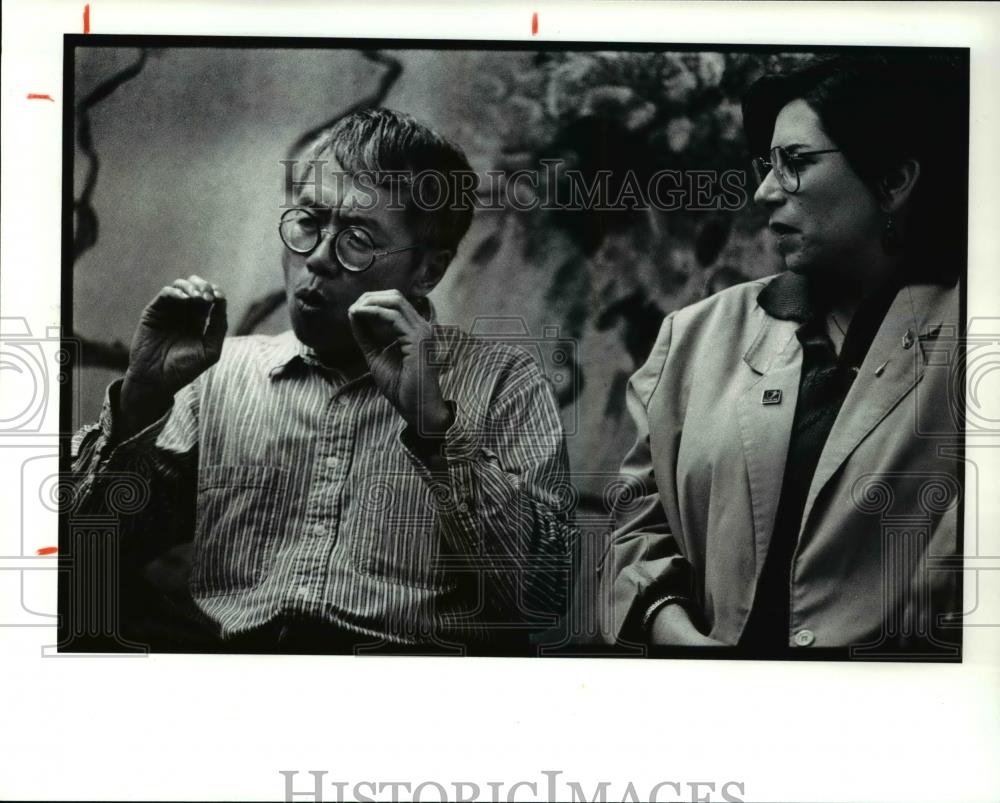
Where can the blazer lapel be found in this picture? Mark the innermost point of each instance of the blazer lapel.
(766, 410)
(891, 369)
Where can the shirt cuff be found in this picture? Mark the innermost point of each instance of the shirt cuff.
(145, 438)
(445, 462)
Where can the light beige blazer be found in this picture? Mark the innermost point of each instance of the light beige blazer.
(874, 568)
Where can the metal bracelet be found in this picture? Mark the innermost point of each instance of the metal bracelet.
(653, 609)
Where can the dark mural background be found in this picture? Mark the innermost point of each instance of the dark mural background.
(178, 171)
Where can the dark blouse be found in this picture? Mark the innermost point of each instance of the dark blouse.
(823, 386)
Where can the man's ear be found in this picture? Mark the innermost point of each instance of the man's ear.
(897, 186)
(432, 267)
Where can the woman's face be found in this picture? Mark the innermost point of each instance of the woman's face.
(832, 226)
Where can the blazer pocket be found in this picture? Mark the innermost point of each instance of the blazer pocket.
(241, 512)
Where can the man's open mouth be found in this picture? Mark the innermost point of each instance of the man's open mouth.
(781, 228)
(310, 299)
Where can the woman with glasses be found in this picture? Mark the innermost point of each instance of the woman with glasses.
(795, 480)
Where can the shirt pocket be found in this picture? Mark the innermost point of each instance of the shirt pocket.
(394, 531)
(241, 512)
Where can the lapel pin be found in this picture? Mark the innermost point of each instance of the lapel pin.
(908, 339)
(881, 369)
(771, 397)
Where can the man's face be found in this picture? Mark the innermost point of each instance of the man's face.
(318, 289)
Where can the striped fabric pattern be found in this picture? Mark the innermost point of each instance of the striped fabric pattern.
(312, 499)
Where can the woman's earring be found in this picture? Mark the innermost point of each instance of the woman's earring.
(891, 240)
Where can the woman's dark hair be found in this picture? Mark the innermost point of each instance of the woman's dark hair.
(880, 111)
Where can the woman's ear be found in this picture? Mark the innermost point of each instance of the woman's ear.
(432, 267)
(897, 186)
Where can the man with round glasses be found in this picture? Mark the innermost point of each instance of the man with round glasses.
(369, 478)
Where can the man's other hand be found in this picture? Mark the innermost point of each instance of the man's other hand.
(389, 332)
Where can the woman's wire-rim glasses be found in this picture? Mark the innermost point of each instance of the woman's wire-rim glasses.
(784, 166)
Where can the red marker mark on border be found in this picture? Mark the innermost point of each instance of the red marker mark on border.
(86, 18)
(47, 550)
(36, 96)
(534, 23)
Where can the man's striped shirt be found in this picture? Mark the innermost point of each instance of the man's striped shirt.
(310, 498)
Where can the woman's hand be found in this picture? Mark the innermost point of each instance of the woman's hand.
(672, 627)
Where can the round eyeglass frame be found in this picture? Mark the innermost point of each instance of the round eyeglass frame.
(290, 214)
(782, 163)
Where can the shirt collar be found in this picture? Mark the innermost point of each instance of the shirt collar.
(787, 297)
(286, 350)
(792, 297)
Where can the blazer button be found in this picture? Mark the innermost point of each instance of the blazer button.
(804, 638)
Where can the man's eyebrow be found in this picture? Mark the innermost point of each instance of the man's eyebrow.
(355, 218)
(350, 216)
(796, 146)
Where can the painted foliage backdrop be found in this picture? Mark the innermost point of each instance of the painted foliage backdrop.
(178, 171)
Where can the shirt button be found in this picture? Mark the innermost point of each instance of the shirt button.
(302, 593)
(804, 638)
(332, 462)
(318, 529)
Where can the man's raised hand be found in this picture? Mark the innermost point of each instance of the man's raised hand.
(179, 336)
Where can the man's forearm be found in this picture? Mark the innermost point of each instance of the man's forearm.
(513, 536)
(139, 405)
